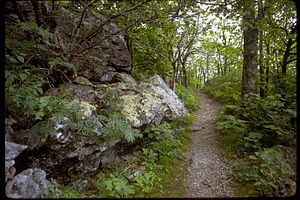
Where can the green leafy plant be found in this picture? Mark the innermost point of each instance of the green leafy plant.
(256, 123)
(31, 60)
(145, 183)
(188, 97)
(113, 186)
(55, 192)
(265, 173)
(115, 127)
(225, 88)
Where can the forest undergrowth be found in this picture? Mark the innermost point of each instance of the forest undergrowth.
(154, 168)
(259, 135)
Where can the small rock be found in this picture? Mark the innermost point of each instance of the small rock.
(28, 184)
(12, 150)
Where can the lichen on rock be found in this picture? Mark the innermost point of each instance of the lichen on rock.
(148, 102)
(85, 108)
(143, 108)
(83, 81)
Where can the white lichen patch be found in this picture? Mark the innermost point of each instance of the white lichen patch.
(85, 108)
(141, 109)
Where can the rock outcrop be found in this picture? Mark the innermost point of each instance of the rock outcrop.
(103, 64)
(98, 43)
(150, 102)
(109, 54)
(66, 149)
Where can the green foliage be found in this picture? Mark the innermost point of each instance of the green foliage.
(113, 186)
(115, 181)
(256, 123)
(147, 61)
(164, 143)
(29, 64)
(152, 174)
(189, 97)
(145, 183)
(115, 126)
(264, 173)
(184, 120)
(225, 88)
(55, 192)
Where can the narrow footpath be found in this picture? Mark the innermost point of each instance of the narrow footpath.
(208, 175)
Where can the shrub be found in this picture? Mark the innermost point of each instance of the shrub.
(161, 148)
(256, 123)
(225, 88)
(265, 173)
(188, 97)
(29, 65)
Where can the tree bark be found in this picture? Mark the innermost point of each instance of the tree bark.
(249, 78)
(261, 67)
(207, 67)
(173, 83)
(267, 77)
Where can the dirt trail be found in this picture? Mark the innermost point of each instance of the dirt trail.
(208, 175)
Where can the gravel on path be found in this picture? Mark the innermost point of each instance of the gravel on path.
(209, 174)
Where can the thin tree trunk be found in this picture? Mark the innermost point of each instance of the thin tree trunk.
(207, 65)
(173, 84)
(184, 74)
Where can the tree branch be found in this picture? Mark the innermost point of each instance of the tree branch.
(81, 18)
(105, 38)
(98, 29)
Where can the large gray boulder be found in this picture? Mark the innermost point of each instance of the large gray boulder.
(168, 96)
(109, 53)
(31, 183)
(148, 103)
(12, 150)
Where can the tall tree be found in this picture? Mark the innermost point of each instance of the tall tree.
(249, 78)
(261, 56)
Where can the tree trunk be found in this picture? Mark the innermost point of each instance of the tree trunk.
(267, 67)
(225, 65)
(184, 74)
(225, 57)
(261, 67)
(207, 66)
(249, 79)
(173, 84)
(286, 55)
